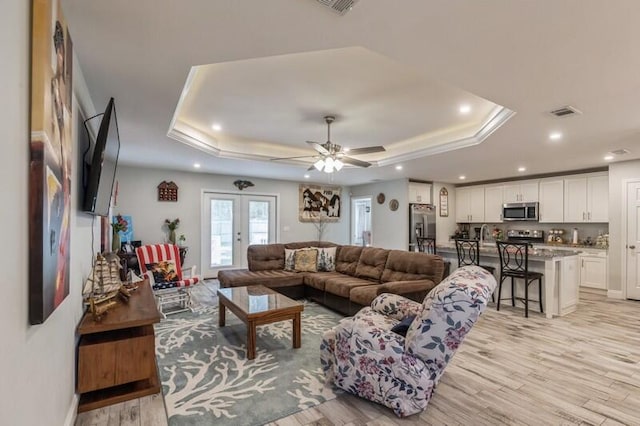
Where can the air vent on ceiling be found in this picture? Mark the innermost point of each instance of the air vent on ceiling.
(620, 151)
(565, 111)
(338, 6)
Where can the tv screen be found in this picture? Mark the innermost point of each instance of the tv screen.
(102, 169)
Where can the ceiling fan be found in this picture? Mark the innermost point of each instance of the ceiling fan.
(332, 157)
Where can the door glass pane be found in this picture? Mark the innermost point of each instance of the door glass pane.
(258, 222)
(362, 222)
(221, 233)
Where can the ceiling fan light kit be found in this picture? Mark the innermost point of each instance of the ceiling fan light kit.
(332, 156)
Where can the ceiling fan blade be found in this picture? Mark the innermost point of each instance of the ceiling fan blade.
(311, 167)
(318, 147)
(291, 158)
(354, 162)
(366, 150)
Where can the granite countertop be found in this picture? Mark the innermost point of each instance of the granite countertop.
(534, 254)
(571, 246)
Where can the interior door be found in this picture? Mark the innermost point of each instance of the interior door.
(231, 222)
(361, 221)
(632, 246)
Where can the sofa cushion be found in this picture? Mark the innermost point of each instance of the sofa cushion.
(263, 257)
(326, 259)
(371, 263)
(273, 279)
(289, 259)
(407, 265)
(319, 279)
(306, 260)
(364, 295)
(341, 286)
(347, 259)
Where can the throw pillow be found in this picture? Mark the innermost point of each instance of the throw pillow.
(289, 259)
(163, 272)
(402, 327)
(306, 260)
(326, 259)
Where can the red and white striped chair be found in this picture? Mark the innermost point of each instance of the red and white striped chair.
(171, 292)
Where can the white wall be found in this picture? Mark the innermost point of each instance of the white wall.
(618, 173)
(138, 197)
(38, 362)
(390, 229)
(445, 226)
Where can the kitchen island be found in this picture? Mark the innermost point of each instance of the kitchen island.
(560, 283)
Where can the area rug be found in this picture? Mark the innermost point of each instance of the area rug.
(207, 379)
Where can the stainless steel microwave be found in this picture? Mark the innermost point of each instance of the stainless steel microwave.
(520, 211)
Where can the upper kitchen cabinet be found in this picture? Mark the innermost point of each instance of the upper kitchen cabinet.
(493, 203)
(586, 199)
(470, 204)
(420, 193)
(552, 201)
(521, 192)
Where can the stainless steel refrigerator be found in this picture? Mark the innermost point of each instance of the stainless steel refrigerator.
(422, 223)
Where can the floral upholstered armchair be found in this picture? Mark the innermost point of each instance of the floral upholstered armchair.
(363, 356)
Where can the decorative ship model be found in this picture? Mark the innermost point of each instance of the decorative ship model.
(103, 285)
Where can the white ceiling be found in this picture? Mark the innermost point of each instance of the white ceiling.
(529, 57)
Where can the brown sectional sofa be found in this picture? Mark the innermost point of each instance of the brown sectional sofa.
(361, 274)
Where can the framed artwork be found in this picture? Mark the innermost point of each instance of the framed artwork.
(50, 159)
(125, 236)
(319, 203)
(444, 202)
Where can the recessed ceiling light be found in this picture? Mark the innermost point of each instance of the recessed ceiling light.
(345, 149)
(464, 109)
(462, 177)
(555, 136)
(608, 157)
(307, 176)
(522, 169)
(217, 127)
(398, 167)
(196, 165)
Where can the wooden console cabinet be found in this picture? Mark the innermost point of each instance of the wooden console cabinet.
(116, 356)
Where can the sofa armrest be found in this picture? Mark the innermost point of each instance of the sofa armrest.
(395, 306)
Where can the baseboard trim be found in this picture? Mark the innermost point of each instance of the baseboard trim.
(615, 294)
(73, 411)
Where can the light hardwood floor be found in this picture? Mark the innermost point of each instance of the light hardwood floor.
(580, 369)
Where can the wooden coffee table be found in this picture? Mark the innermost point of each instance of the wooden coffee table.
(257, 305)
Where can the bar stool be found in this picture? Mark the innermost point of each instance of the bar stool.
(514, 263)
(427, 245)
(469, 254)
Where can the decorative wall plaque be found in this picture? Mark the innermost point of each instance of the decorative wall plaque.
(167, 191)
(444, 202)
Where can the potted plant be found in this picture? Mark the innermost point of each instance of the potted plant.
(172, 225)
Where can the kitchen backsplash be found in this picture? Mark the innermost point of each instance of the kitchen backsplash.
(584, 229)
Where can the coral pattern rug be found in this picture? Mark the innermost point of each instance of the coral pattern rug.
(206, 378)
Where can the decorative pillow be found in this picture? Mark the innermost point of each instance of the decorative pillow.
(402, 327)
(289, 260)
(326, 259)
(306, 260)
(163, 272)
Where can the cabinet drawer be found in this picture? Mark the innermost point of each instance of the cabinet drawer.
(96, 366)
(135, 359)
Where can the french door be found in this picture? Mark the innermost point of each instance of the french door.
(231, 222)
(361, 221)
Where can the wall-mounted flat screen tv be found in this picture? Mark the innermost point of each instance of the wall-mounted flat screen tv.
(102, 168)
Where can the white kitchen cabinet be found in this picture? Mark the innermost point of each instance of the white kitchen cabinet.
(593, 271)
(586, 199)
(493, 203)
(470, 204)
(419, 193)
(521, 192)
(551, 201)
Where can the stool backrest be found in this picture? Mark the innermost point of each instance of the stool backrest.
(514, 257)
(427, 245)
(468, 252)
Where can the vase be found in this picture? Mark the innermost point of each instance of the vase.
(172, 236)
(115, 241)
